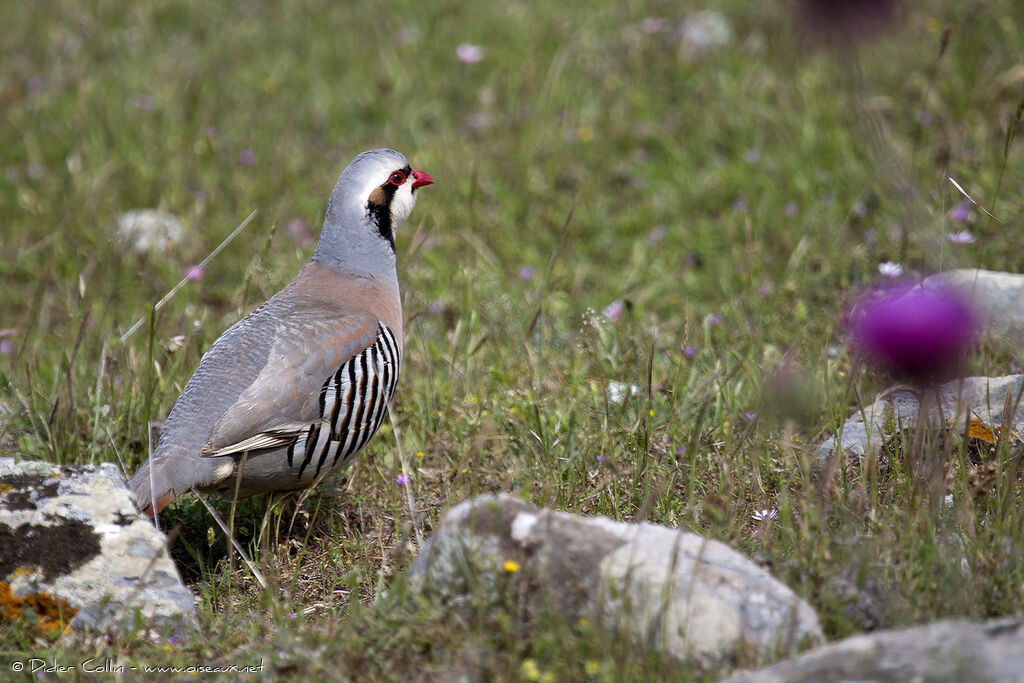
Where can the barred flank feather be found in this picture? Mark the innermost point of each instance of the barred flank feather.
(353, 402)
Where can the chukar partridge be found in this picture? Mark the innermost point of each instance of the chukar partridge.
(295, 389)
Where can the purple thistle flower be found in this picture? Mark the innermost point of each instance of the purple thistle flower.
(402, 479)
(915, 332)
(688, 351)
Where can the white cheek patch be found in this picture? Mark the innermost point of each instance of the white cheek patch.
(401, 205)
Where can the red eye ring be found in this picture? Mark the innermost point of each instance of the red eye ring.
(397, 178)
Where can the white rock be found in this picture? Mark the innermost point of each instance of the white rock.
(74, 532)
(980, 397)
(694, 598)
(998, 297)
(944, 651)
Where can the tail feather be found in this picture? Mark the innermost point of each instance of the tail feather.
(160, 480)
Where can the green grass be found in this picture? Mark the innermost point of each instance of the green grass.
(778, 176)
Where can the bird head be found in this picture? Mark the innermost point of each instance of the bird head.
(373, 197)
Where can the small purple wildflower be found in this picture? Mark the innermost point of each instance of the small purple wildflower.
(739, 205)
(915, 332)
(654, 235)
(479, 119)
(402, 479)
(962, 237)
(599, 458)
(613, 311)
(688, 351)
(407, 35)
(713, 320)
(750, 416)
(6, 346)
(247, 157)
(962, 212)
(680, 450)
(300, 232)
(652, 25)
(753, 155)
(526, 273)
(173, 639)
(292, 615)
(791, 209)
(144, 101)
(426, 241)
(194, 273)
(469, 54)
(890, 269)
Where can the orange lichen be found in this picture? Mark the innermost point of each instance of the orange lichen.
(46, 613)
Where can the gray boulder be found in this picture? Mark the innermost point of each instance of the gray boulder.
(944, 651)
(693, 598)
(73, 542)
(984, 398)
(997, 297)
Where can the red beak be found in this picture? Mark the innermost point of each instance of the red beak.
(421, 178)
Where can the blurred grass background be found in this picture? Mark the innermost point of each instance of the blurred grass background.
(732, 202)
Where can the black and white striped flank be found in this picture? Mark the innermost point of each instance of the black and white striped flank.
(353, 402)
